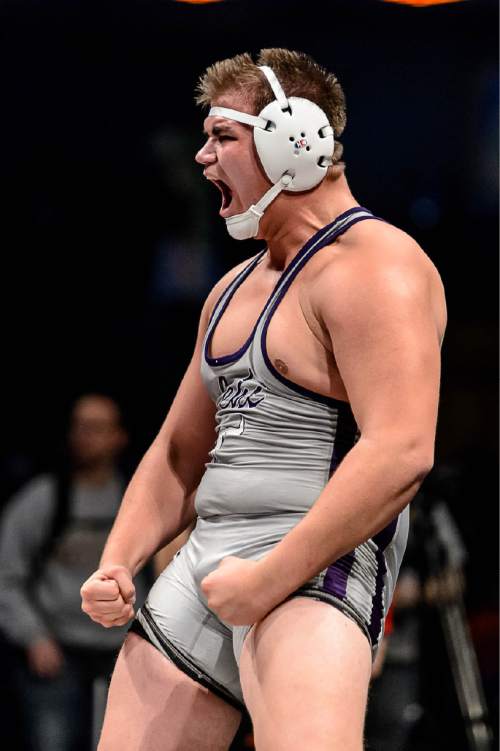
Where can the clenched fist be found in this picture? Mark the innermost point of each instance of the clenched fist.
(236, 592)
(108, 596)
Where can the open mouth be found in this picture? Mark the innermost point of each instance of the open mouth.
(227, 194)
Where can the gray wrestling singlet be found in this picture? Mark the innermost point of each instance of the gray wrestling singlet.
(278, 444)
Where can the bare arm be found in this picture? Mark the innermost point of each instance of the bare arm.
(386, 326)
(378, 307)
(159, 501)
(384, 311)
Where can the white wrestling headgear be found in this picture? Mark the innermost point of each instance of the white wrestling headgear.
(294, 142)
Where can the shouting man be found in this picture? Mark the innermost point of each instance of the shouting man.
(302, 429)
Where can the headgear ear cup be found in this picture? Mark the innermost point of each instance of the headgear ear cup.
(298, 140)
(295, 144)
(299, 143)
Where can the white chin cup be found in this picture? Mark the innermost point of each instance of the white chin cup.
(245, 226)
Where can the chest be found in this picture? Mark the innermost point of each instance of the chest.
(293, 339)
(249, 303)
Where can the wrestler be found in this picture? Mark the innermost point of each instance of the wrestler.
(302, 429)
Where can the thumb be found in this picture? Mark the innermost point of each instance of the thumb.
(123, 578)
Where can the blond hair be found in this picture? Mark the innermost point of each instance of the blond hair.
(298, 74)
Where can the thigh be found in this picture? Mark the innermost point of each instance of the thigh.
(177, 621)
(155, 706)
(305, 671)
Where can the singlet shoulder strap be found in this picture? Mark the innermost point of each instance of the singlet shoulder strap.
(324, 236)
(233, 286)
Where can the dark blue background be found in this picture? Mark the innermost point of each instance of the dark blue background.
(98, 129)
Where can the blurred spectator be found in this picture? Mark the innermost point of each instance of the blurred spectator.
(51, 537)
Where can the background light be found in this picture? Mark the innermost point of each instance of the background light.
(422, 3)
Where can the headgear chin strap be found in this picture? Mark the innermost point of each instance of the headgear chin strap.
(294, 142)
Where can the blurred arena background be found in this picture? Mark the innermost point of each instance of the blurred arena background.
(110, 238)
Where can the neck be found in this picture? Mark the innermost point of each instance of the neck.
(293, 218)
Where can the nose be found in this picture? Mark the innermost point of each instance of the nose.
(206, 155)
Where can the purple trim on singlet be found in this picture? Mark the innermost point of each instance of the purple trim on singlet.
(327, 232)
(218, 313)
(337, 575)
(377, 599)
(381, 540)
(385, 536)
(345, 435)
(331, 234)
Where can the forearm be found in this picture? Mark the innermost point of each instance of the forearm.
(156, 507)
(369, 489)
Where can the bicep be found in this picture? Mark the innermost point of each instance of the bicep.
(386, 345)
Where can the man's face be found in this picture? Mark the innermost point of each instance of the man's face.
(230, 160)
(95, 433)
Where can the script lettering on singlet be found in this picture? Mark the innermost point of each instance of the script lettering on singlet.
(239, 395)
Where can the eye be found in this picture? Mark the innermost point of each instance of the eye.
(226, 138)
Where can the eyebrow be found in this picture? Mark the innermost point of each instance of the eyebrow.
(218, 129)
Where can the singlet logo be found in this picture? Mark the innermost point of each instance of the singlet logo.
(240, 394)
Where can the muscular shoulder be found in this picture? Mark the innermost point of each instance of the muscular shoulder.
(374, 263)
(374, 247)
